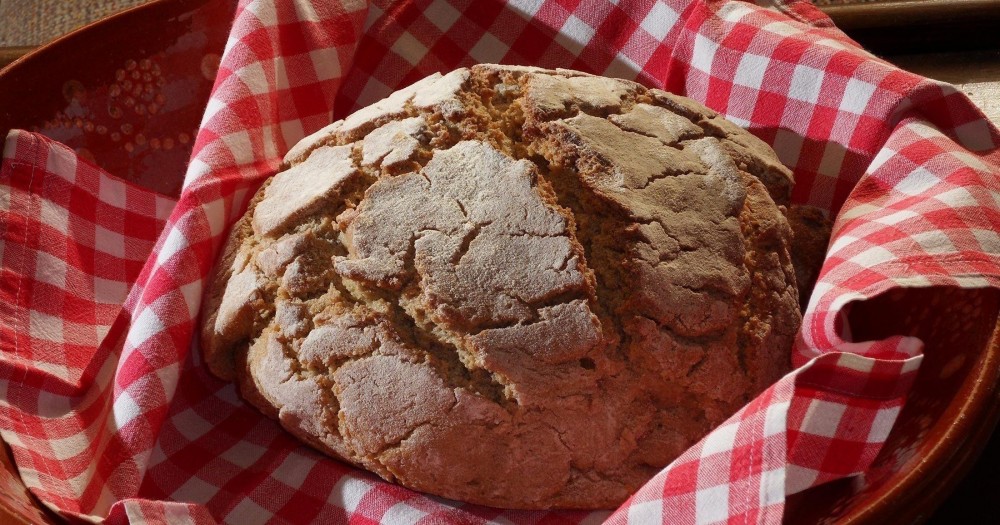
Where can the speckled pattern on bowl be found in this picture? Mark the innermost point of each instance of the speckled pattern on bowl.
(132, 109)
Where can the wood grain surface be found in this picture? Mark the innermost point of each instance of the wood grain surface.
(34, 22)
(977, 73)
(898, 27)
(12, 53)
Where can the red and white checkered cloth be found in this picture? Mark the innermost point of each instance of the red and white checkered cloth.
(110, 413)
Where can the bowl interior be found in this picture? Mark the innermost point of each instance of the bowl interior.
(132, 109)
(947, 419)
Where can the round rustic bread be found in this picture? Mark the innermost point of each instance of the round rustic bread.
(511, 286)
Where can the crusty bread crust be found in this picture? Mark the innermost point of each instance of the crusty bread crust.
(511, 286)
(811, 228)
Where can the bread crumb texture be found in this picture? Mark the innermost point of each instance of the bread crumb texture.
(511, 286)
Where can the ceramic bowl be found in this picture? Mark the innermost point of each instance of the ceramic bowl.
(134, 109)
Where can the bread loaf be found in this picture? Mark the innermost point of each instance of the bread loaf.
(511, 286)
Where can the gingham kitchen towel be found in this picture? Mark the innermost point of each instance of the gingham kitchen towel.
(110, 413)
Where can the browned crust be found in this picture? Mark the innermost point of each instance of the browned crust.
(811, 230)
(217, 352)
(361, 340)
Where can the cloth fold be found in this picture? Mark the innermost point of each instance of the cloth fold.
(111, 415)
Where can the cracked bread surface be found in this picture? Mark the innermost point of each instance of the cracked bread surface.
(511, 286)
